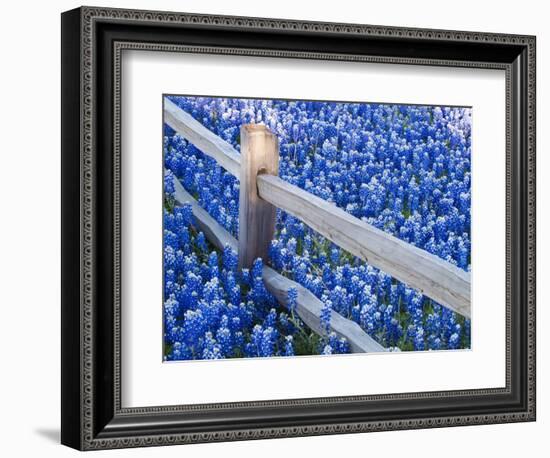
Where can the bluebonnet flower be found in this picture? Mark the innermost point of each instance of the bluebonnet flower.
(194, 325)
(292, 296)
(201, 242)
(171, 240)
(169, 187)
(212, 349)
(232, 289)
(275, 255)
(224, 338)
(184, 215)
(179, 351)
(434, 342)
(418, 340)
(271, 319)
(326, 314)
(269, 337)
(257, 268)
(338, 344)
(404, 169)
(454, 341)
(214, 271)
(229, 259)
(289, 347)
(245, 277)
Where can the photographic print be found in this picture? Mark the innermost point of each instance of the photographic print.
(402, 171)
(351, 205)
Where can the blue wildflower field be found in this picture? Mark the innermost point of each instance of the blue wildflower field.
(404, 169)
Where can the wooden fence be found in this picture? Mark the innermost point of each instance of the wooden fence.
(262, 191)
(308, 306)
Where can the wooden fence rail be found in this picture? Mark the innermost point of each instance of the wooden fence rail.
(205, 140)
(308, 306)
(434, 277)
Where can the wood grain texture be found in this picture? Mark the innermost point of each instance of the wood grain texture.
(259, 154)
(308, 306)
(205, 140)
(434, 277)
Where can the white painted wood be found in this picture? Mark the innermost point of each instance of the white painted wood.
(434, 277)
(308, 307)
(205, 140)
(259, 154)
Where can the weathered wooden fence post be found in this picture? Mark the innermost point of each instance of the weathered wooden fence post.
(259, 155)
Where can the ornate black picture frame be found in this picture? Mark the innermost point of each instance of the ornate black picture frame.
(92, 41)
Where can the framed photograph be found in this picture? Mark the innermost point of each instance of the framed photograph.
(276, 228)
